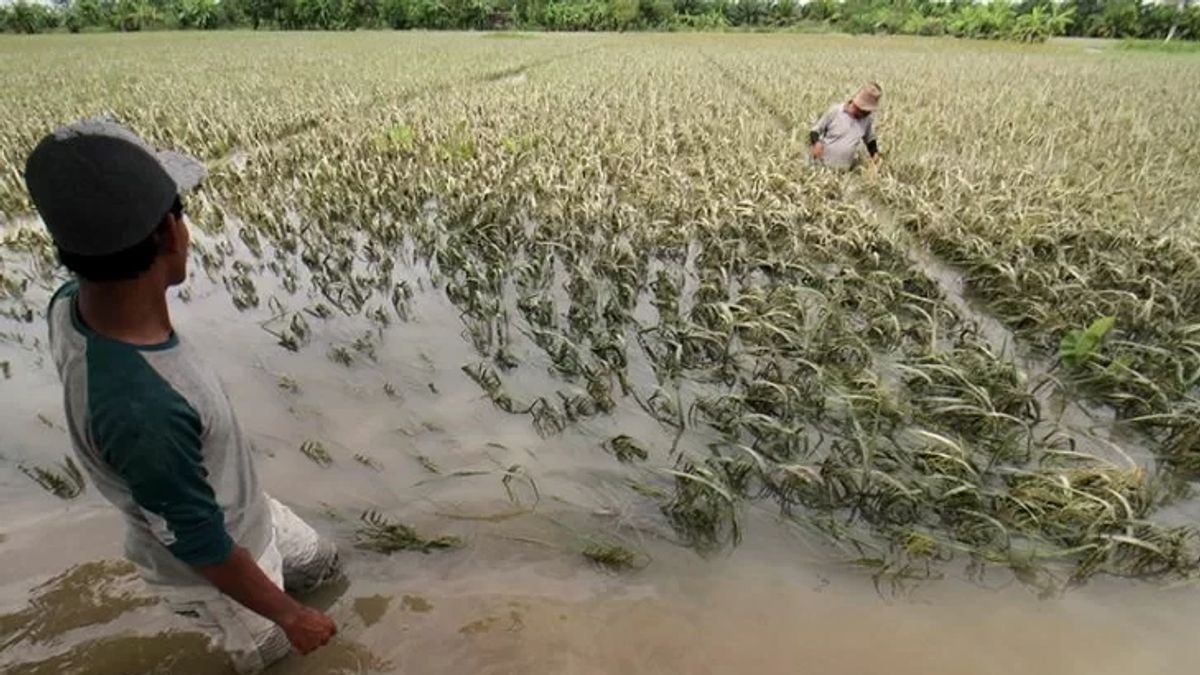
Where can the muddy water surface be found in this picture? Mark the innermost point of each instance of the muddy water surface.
(411, 437)
(498, 608)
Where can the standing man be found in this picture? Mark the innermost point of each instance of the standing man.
(147, 417)
(837, 134)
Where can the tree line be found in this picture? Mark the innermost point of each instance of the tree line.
(1023, 20)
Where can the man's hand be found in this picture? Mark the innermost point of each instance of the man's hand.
(240, 577)
(818, 150)
(307, 629)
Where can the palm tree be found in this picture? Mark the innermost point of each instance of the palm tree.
(1182, 6)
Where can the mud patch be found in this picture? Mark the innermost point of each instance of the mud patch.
(372, 608)
(512, 622)
(417, 604)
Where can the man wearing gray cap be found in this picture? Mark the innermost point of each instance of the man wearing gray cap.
(836, 136)
(147, 417)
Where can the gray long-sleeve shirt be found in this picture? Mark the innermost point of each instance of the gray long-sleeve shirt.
(841, 133)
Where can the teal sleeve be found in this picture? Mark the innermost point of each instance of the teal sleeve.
(155, 446)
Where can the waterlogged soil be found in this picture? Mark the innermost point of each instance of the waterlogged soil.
(410, 436)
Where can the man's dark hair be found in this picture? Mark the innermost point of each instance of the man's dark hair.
(124, 265)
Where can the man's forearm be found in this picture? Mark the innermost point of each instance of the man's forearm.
(242, 579)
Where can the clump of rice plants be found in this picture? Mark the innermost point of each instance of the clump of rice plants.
(380, 534)
(611, 555)
(63, 480)
(317, 452)
(626, 449)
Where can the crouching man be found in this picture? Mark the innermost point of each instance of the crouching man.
(837, 135)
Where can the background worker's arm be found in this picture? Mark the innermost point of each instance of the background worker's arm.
(869, 139)
(818, 132)
(155, 446)
(242, 579)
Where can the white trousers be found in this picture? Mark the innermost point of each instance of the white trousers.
(295, 558)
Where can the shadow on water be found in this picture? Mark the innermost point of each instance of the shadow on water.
(91, 593)
(79, 608)
(99, 611)
(162, 653)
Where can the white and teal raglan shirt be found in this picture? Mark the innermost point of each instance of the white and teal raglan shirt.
(155, 431)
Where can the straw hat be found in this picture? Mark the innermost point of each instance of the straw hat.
(868, 97)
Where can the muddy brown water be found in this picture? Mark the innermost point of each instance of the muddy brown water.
(518, 597)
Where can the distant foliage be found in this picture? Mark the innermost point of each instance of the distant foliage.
(1022, 21)
(198, 14)
(29, 18)
(133, 15)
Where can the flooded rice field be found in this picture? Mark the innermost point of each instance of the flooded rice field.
(652, 393)
(411, 436)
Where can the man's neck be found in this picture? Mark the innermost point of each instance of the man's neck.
(127, 311)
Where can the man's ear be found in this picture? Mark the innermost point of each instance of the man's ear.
(169, 235)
